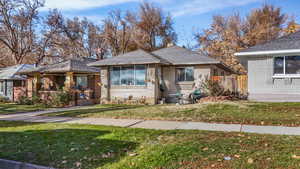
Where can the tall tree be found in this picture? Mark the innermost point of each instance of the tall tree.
(17, 26)
(264, 24)
(152, 28)
(72, 38)
(148, 29)
(118, 33)
(228, 35)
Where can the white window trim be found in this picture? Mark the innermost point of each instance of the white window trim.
(284, 75)
(134, 74)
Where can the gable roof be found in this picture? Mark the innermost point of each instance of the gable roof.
(135, 57)
(284, 44)
(11, 73)
(72, 65)
(180, 56)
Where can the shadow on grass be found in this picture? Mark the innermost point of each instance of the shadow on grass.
(105, 108)
(16, 124)
(63, 148)
(8, 109)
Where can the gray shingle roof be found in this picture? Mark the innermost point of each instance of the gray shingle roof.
(135, 57)
(11, 73)
(72, 65)
(180, 56)
(291, 41)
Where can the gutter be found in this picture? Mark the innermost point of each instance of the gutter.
(268, 52)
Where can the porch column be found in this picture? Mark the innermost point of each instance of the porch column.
(97, 88)
(152, 83)
(69, 83)
(105, 87)
(36, 83)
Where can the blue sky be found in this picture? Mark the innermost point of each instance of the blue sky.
(189, 16)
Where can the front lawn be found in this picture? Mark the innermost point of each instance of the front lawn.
(11, 108)
(91, 147)
(287, 114)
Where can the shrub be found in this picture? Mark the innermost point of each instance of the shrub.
(36, 100)
(212, 88)
(4, 99)
(60, 99)
(23, 100)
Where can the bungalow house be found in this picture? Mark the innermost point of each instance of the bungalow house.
(153, 76)
(274, 69)
(72, 75)
(12, 85)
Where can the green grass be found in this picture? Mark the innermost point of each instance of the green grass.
(91, 147)
(287, 114)
(11, 108)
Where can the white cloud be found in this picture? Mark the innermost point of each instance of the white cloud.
(86, 4)
(175, 7)
(193, 7)
(81, 4)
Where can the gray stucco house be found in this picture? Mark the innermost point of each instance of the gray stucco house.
(153, 76)
(12, 85)
(274, 69)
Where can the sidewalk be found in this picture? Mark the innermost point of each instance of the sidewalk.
(150, 124)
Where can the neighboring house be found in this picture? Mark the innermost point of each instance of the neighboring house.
(12, 85)
(152, 76)
(274, 69)
(73, 75)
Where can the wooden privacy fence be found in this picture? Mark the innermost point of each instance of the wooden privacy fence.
(234, 83)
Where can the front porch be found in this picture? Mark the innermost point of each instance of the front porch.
(84, 88)
(73, 77)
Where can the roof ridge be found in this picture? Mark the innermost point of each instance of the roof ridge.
(159, 58)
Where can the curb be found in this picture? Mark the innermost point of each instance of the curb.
(9, 164)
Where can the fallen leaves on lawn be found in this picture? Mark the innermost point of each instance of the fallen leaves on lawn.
(295, 157)
(205, 149)
(250, 160)
(78, 164)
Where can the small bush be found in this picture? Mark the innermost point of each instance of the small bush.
(212, 88)
(4, 99)
(61, 99)
(23, 100)
(36, 100)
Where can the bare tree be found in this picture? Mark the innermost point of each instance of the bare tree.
(152, 28)
(96, 45)
(17, 26)
(117, 33)
(228, 35)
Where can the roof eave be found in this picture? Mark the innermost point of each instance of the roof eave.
(268, 53)
(118, 64)
(194, 63)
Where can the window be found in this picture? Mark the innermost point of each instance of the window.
(81, 82)
(140, 75)
(185, 74)
(115, 74)
(128, 75)
(287, 65)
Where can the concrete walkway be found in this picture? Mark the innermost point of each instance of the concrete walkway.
(149, 124)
